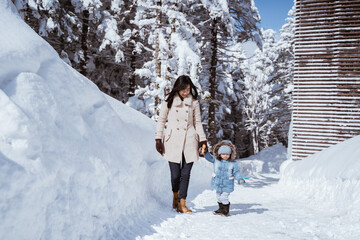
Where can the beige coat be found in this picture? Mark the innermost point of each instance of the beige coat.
(184, 129)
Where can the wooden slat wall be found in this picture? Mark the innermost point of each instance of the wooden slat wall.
(327, 74)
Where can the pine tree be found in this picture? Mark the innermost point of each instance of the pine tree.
(223, 24)
(67, 25)
(120, 51)
(282, 83)
(174, 49)
(56, 22)
(257, 91)
(233, 122)
(89, 36)
(268, 89)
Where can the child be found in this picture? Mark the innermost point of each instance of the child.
(225, 171)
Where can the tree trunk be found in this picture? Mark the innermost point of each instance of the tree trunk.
(157, 57)
(84, 48)
(170, 57)
(255, 140)
(132, 84)
(213, 84)
(134, 38)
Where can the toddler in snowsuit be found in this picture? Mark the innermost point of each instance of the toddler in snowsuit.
(225, 171)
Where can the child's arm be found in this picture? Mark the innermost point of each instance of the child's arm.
(237, 174)
(208, 156)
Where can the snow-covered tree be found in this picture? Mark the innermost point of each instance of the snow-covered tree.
(232, 89)
(120, 50)
(258, 89)
(96, 37)
(171, 39)
(222, 24)
(58, 23)
(69, 26)
(268, 89)
(282, 82)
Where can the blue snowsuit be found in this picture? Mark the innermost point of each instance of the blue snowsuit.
(225, 171)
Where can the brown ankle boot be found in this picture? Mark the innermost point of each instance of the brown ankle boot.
(182, 208)
(175, 200)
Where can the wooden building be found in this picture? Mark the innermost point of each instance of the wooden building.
(327, 74)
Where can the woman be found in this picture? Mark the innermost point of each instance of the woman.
(180, 143)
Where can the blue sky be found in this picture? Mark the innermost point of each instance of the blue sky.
(273, 12)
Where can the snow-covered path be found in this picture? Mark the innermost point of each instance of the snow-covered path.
(75, 164)
(261, 209)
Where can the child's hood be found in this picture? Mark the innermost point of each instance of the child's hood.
(227, 143)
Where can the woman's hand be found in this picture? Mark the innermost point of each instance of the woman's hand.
(159, 146)
(203, 148)
(202, 143)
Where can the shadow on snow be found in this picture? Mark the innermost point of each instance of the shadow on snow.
(236, 209)
(260, 181)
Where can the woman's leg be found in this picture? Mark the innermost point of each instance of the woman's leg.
(184, 178)
(175, 176)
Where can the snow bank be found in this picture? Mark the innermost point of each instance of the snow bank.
(267, 160)
(331, 176)
(74, 164)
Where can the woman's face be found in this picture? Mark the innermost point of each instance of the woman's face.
(185, 92)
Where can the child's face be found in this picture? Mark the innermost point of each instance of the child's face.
(225, 156)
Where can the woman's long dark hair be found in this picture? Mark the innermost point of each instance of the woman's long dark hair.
(180, 84)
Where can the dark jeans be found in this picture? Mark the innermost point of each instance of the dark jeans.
(180, 176)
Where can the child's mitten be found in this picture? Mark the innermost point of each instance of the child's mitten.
(242, 181)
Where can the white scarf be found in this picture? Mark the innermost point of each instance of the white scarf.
(187, 101)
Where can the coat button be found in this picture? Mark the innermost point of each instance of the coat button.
(177, 128)
(187, 111)
(177, 110)
(185, 120)
(177, 119)
(185, 129)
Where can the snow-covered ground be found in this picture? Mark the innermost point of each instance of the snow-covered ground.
(76, 164)
(316, 198)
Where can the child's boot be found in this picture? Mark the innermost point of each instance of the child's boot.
(221, 208)
(226, 210)
(175, 200)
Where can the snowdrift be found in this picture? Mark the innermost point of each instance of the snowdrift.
(74, 164)
(331, 176)
(267, 160)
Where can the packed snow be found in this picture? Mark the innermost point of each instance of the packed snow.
(77, 164)
(74, 164)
